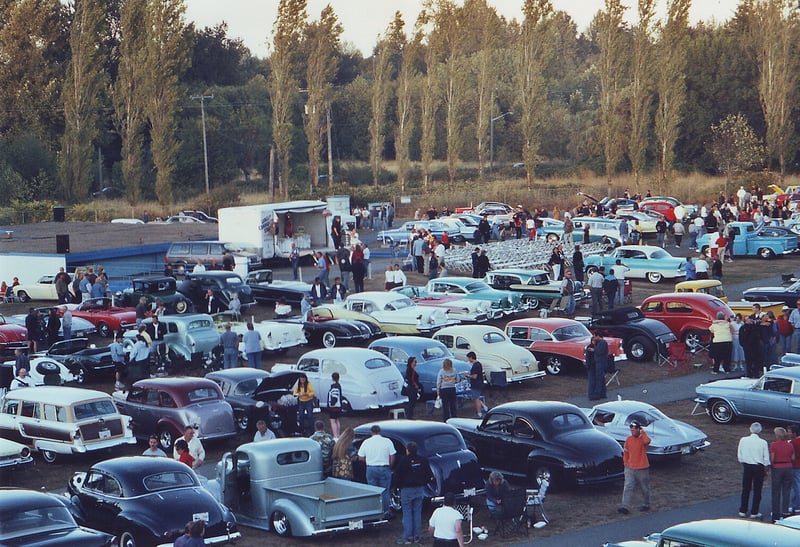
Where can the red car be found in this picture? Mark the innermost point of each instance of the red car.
(557, 342)
(12, 337)
(665, 208)
(103, 315)
(688, 315)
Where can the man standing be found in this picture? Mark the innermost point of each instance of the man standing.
(568, 290)
(326, 442)
(750, 340)
(252, 346)
(412, 474)
(661, 232)
(597, 364)
(118, 358)
(196, 449)
(476, 378)
(701, 267)
(620, 271)
(141, 311)
(229, 341)
(378, 452)
(794, 319)
(319, 293)
(595, 283)
(66, 322)
(637, 468)
(157, 331)
(34, 325)
(753, 454)
(485, 229)
(418, 252)
(691, 270)
(294, 260)
(62, 281)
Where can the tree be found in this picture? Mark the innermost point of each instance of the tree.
(283, 82)
(430, 101)
(84, 85)
(385, 51)
(405, 95)
(641, 88)
(322, 41)
(671, 85)
(735, 147)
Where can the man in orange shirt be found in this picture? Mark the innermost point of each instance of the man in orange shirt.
(637, 468)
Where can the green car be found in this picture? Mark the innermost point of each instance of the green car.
(163, 288)
(506, 302)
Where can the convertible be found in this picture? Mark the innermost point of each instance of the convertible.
(268, 291)
(456, 307)
(103, 314)
(502, 302)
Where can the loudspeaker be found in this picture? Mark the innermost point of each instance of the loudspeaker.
(58, 214)
(62, 244)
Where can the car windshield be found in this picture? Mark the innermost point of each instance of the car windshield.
(232, 281)
(399, 304)
(202, 394)
(199, 324)
(571, 332)
(435, 352)
(168, 480)
(477, 286)
(19, 522)
(94, 409)
(372, 364)
(660, 253)
(440, 443)
(645, 417)
(247, 387)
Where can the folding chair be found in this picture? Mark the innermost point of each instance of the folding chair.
(614, 377)
(678, 356)
(466, 511)
(535, 503)
(512, 515)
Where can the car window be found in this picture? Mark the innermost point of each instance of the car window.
(216, 249)
(30, 410)
(498, 422)
(678, 307)
(446, 339)
(397, 355)
(571, 332)
(641, 417)
(180, 249)
(165, 400)
(373, 364)
(781, 385)
(296, 456)
(329, 366)
(55, 413)
(11, 407)
(440, 443)
(522, 428)
(660, 253)
(539, 334)
(653, 307)
(518, 333)
(308, 365)
(168, 480)
(434, 352)
(569, 421)
(199, 324)
(462, 343)
(94, 409)
(246, 387)
(199, 249)
(200, 394)
(151, 397)
(477, 286)
(493, 337)
(399, 304)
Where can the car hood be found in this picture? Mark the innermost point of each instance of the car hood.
(770, 290)
(67, 538)
(733, 383)
(278, 384)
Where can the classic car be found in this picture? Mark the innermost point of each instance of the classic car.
(56, 420)
(669, 438)
(41, 519)
(761, 241)
(611, 204)
(536, 440)
(224, 284)
(647, 221)
(44, 371)
(492, 208)
(721, 533)
(455, 468)
(502, 302)
(369, 380)
(200, 215)
(775, 396)
(688, 315)
(276, 336)
(12, 336)
(327, 312)
(84, 360)
(534, 285)
(503, 361)
(645, 262)
(429, 354)
(323, 330)
(641, 337)
(598, 227)
(268, 291)
(103, 314)
(707, 286)
(184, 255)
(191, 341)
(456, 307)
(557, 343)
(80, 327)
(147, 501)
(165, 406)
(787, 295)
(161, 288)
(397, 313)
(12, 455)
(457, 231)
(43, 289)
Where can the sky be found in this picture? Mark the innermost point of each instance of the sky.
(365, 20)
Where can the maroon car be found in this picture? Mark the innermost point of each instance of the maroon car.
(688, 315)
(102, 314)
(11, 337)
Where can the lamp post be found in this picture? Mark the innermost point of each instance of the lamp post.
(491, 137)
(202, 99)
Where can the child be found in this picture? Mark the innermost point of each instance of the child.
(183, 452)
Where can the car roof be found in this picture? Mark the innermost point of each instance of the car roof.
(732, 533)
(175, 382)
(699, 297)
(407, 429)
(406, 342)
(153, 278)
(344, 354)
(130, 468)
(56, 394)
(626, 405)
(377, 296)
(22, 499)
(238, 374)
(468, 330)
(538, 407)
(698, 283)
(789, 372)
(547, 323)
(212, 273)
(458, 280)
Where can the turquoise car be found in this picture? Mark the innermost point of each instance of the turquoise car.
(508, 302)
(765, 242)
(535, 286)
(644, 261)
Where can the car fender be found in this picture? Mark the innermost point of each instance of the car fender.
(53, 446)
(694, 326)
(172, 424)
(137, 521)
(299, 521)
(181, 349)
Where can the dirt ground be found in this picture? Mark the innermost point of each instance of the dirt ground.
(673, 484)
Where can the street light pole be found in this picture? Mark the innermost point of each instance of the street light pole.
(202, 99)
(491, 137)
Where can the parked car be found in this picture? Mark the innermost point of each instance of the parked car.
(669, 438)
(645, 262)
(183, 255)
(80, 326)
(535, 286)
(641, 336)
(200, 215)
(55, 420)
(557, 343)
(43, 288)
(108, 192)
(161, 288)
(12, 336)
(369, 380)
(787, 295)
(707, 286)
(327, 332)
(761, 241)
(44, 371)
(147, 501)
(775, 396)
(12, 456)
(457, 232)
(85, 361)
(179, 219)
(104, 315)
(455, 469)
(223, 284)
(191, 341)
(41, 519)
(397, 313)
(268, 291)
(647, 221)
(688, 315)
(429, 355)
(542, 440)
(502, 302)
(598, 227)
(456, 307)
(276, 336)
(503, 361)
(165, 406)
(719, 533)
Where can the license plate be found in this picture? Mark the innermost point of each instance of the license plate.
(469, 492)
(355, 525)
(200, 516)
(686, 450)
(105, 433)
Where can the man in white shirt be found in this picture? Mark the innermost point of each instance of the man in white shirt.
(21, 379)
(262, 433)
(753, 454)
(619, 272)
(595, 283)
(378, 452)
(196, 449)
(794, 319)
(153, 450)
(701, 267)
(400, 279)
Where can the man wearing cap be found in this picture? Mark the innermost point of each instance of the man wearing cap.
(753, 454)
(637, 468)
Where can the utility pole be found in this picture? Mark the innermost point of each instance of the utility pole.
(202, 99)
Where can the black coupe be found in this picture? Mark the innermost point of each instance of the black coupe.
(86, 361)
(542, 440)
(641, 337)
(268, 291)
(329, 333)
(788, 295)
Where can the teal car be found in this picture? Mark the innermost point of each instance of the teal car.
(535, 286)
(507, 302)
(765, 242)
(644, 262)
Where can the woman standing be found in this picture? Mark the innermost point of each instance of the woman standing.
(446, 387)
(343, 453)
(781, 459)
(413, 390)
(304, 391)
(769, 339)
(359, 268)
(737, 352)
(721, 342)
(335, 404)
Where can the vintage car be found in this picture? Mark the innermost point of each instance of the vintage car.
(645, 262)
(647, 221)
(43, 289)
(191, 341)
(165, 406)
(147, 501)
(669, 438)
(12, 336)
(44, 371)
(455, 469)
(55, 420)
(224, 284)
(268, 291)
(707, 286)
(200, 215)
(775, 396)
(397, 313)
(786, 295)
(720, 533)
(457, 231)
(321, 329)
(41, 519)
(534, 285)
(429, 355)
(641, 337)
(161, 288)
(557, 343)
(12, 455)
(598, 227)
(456, 307)
(761, 241)
(502, 302)
(369, 380)
(503, 361)
(276, 336)
(103, 314)
(80, 327)
(536, 440)
(85, 361)
(688, 315)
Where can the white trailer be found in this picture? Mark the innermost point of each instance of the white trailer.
(29, 267)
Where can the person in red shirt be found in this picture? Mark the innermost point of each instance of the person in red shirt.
(781, 459)
(182, 447)
(637, 468)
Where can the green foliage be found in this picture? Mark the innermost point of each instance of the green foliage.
(223, 196)
(735, 146)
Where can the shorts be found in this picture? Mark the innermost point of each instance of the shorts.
(475, 393)
(334, 413)
(120, 368)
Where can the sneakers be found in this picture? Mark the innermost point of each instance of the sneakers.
(743, 515)
(119, 385)
(714, 372)
(756, 516)
(623, 510)
(403, 541)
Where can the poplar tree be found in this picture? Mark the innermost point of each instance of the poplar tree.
(641, 88)
(385, 52)
(430, 101)
(405, 105)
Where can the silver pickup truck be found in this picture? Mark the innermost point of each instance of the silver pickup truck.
(278, 485)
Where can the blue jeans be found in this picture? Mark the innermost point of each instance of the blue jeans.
(796, 340)
(254, 359)
(305, 415)
(230, 358)
(795, 498)
(381, 476)
(785, 343)
(412, 498)
(295, 268)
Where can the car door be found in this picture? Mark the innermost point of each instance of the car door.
(311, 367)
(498, 448)
(9, 421)
(770, 398)
(99, 496)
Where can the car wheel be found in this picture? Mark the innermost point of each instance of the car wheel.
(104, 330)
(533, 303)
(765, 253)
(49, 456)
(242, 422)
(553, 237)
(165, 438)
(639, 349)
(126, 539)
(328, 339)
(543, 472)
(280, 524)
(722, 412)
(553, 364)
(23, 296)
(46, 368)
(590, 270)
(654, 277)
(693, 340)
(181, 306)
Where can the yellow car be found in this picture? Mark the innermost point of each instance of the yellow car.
(714, 288)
